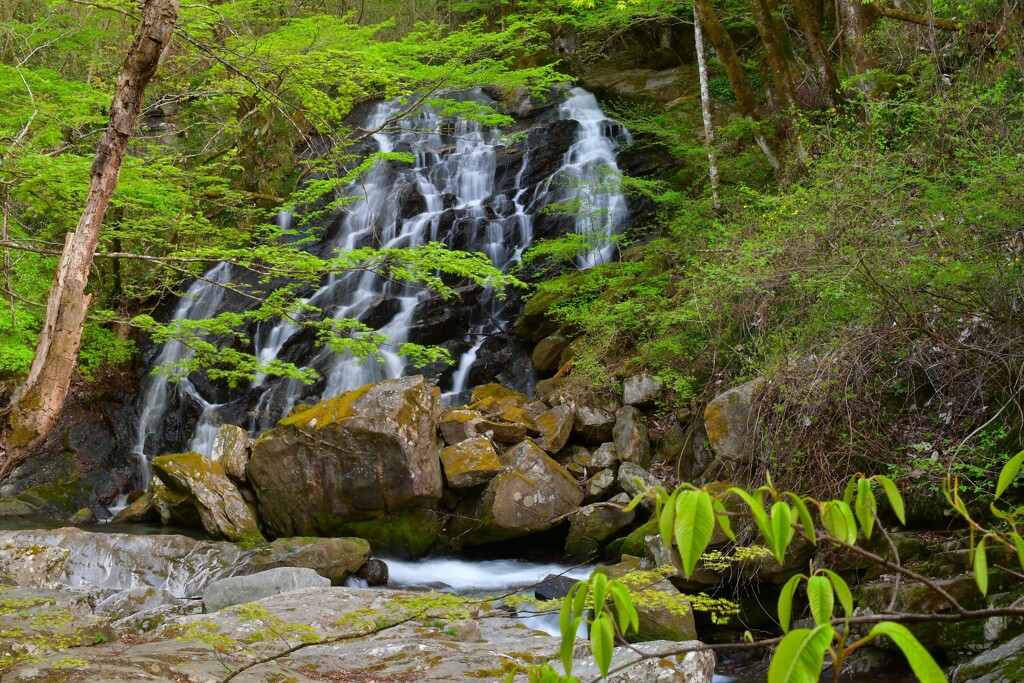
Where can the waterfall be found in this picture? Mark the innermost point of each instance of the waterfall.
(588, 180)
(470, 186)
(200, 301)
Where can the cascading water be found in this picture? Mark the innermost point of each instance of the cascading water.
(471, 187)
(199, 302)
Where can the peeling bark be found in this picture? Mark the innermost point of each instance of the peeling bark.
(705, 107)
(38, 404)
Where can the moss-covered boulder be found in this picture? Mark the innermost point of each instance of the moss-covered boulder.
(493, 398)
(192, 488)
(358, 464)
(142, 509)
(727, 421)
(547, 352)
(555, 428)
(459, 425)
(1002, 664)
(664, 612)
(529, 496)
(592, 525)
(470, 463)
(334, 558)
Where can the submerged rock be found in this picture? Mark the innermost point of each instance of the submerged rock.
(192, 487)
(366, 463)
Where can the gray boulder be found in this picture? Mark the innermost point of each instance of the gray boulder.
(640, 390)
(1002, 664)
(727, 421)
(630, 437)
(237, 590)
(594, 425)
(634, 480)
(366, 463)
(592, 525)
(231, 450)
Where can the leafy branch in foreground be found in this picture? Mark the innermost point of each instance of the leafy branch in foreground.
(687, 518)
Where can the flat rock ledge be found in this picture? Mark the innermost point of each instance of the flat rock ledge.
(429, 638)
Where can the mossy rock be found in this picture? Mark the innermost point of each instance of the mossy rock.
(632, 543)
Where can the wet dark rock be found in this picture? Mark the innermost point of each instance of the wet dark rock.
(380, 311)
(374, 572)
(553, 587)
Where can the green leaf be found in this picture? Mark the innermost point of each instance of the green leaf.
(1009, 472)
(666, 522)
(579, 602)
(721, 514)
(786, 601)
(837, 518)
(893, 495)
(865, 507)
(798, 657)
(981, 566)
(821, 599)
(629, 619)
(851, 488)
(602, 640)
(924, 667)
(756, 509)
(695, 524)
(842, 591)
(782, 530)
(805, 517)
(568, 624)
(1018, 543)
(600, 587)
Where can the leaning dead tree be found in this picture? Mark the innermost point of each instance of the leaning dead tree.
(37, 405)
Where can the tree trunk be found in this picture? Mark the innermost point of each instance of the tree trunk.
(39, 402)
(705, 107)
(858, 18)
(777, 50)
(818, 50)
(726, 49)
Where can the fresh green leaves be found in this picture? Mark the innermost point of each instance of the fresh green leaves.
(922, 663)
(1009, 473)
(799, 657)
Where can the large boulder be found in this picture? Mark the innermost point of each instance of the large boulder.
(527, 497)
(727, 421)
(194, 488)
(141, 510)
(470, 463)
(333, 558)
(231, 450)
(236, 590)
(366, 463)
(592, 525)
(664, 612)
(594, 425)
(640, 390)
(630, 437)
(1002, 664)
(555, 428)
